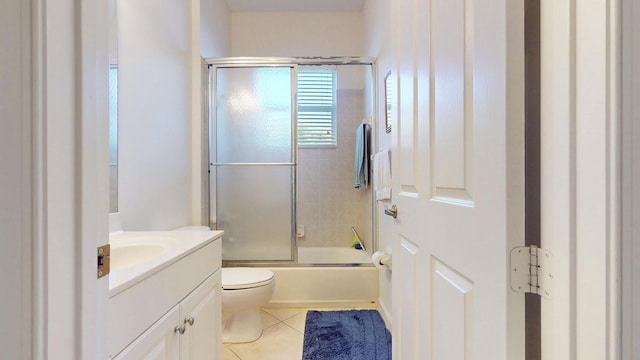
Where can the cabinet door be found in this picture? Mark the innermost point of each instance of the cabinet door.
(159, 342)
(201, 340)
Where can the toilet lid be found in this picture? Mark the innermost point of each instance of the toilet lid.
(244, 278)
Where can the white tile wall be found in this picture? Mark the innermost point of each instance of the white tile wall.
(328, 204)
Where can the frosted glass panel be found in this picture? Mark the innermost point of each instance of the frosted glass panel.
(254, 115)
(254, 209)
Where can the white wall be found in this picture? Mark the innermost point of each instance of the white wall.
(211, 27)
(377, 30)
(296, 34)
(154, 114)
(160, 102)
(215, 29)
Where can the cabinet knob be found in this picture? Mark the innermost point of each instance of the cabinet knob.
(180, 329)
(190, 320)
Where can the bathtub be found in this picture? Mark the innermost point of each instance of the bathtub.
(335, 277)
(333, 255)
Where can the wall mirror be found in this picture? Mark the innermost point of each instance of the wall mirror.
(388, 101)
(113, 107)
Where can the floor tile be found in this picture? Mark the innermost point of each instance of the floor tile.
(228, 354)
(268, 320)
(279, 342)
(284, 313)
(297, 321)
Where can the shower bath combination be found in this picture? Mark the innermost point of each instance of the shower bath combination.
(282, 148)
(282, 136)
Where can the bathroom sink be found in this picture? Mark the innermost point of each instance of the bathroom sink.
(130, 250)
(126, 255)
(137, 255)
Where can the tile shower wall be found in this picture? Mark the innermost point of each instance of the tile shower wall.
(327, 204)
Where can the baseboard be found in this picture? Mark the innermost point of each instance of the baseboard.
(323, 304)
(386, 315)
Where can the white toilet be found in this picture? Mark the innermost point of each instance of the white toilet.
(244, 292)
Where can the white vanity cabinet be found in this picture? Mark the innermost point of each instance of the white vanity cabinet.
(190, 330)
(170, 309)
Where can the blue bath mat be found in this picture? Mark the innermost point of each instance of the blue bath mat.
(348, 335)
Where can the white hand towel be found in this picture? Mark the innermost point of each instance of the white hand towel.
(382, 174)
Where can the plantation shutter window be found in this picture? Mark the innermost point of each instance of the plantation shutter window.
(317, 108)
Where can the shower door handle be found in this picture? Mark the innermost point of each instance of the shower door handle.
(392, 212)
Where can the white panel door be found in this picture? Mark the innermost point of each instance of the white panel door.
(458, 180)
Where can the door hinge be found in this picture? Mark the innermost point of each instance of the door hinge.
(531, 270)
(104, 260)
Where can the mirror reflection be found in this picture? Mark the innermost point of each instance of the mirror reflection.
(113, 108)
(388, 101)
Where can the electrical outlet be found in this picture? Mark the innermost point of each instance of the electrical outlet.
(300, 231)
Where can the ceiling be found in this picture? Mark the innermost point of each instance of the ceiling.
(295, 5)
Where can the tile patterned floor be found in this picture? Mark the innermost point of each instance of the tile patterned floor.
(281, 338)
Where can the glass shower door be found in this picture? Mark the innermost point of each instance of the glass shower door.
(254, 156)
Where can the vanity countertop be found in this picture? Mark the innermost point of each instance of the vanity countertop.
(148, 252)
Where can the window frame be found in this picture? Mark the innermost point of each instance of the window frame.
(330, 141)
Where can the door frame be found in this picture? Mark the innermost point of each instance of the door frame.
(580, 177)
(69, 77)
(630, 167)
(17, 178)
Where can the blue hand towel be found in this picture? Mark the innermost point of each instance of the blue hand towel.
(361, 173)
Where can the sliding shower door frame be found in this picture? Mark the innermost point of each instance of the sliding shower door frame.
(253, 62)
(213, 165)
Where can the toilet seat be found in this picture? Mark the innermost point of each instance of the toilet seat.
(245, 278)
